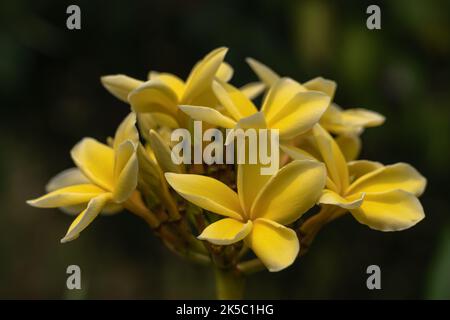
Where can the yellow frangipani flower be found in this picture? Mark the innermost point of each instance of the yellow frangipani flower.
(335, 120)
(381, 197)
(163, 92)
(260, 210)
(104, 180)
(288, 106)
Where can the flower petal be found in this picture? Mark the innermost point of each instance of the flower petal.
(333, 158)
(350, 145)
(225, 72)
(125, 171)
(85, 218)
(302, 112)
(253, 89)
(393, 210)
(323, 85)
(172, 81)
(293, 190)
(275, 245)
(255, 121)
(207, 193)
(250, 181)
(233, 100)
(163, 153)
(397, 176)
(120, 85)
(67, 196)
(208, 115)
(226, 231)
(297, 153)
(202, 75)
(264, 73)
(68, 177)
(358, 168)
(154, 96)
(352, 202)
(279, 95)
(361, 118)
(96, 161)
(332, 121)
(126, 131)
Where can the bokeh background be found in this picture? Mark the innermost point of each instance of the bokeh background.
(51, 97)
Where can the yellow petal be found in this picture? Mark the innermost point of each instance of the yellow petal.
(96, 161)
(172, 81)
(125, 171)
(120, 85)
(397, 176)
(351, 202)
(150, 173)
(250, 181)
(264, 73)
(233, 100)
(279, 95)
(389, 211)
(207, 193)
(358, 168)
(255, 121)
(126, 131)
(350, 145)
(208, 115)
(361, 118)
(307, 142)
(154, 96)
(226, 231)
(147, 121)
(68, 177)
(202, 75)
(225, 72)
(163, 153)
(85, 218)
(333, 157)
(275, 245)
(332, 121)
(300, 114)
(293, 190)
(67, 196)
(323, 85)
(297, 153)
(253, 89)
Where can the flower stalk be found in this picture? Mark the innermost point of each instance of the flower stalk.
(230, 284)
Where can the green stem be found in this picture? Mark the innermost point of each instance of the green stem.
(230, 284)
(313, 225)
(250, 266)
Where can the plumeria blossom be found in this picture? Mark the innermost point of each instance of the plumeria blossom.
(346, 124)
(381, 197)
(163, 92)
(335, 119)
(288, 107)
(260, 210)
(104, 179)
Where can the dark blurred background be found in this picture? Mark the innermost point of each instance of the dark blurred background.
(51, 97)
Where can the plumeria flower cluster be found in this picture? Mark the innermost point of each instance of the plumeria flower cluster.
(231, 216)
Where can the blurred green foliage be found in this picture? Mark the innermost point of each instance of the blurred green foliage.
(51, 97)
